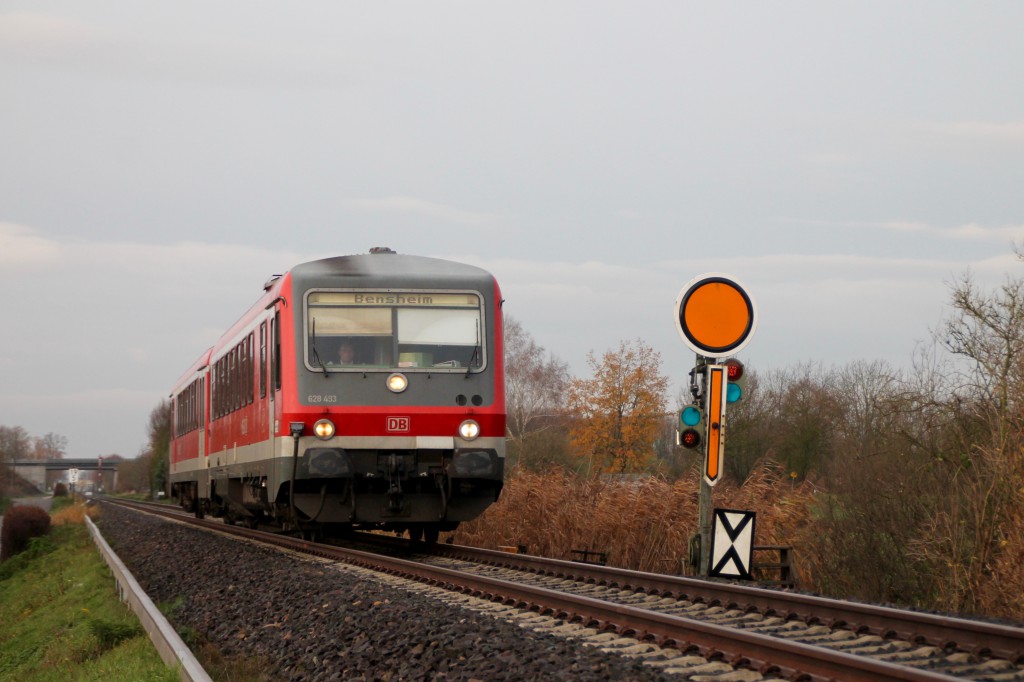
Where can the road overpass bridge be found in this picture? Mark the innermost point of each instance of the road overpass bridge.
(88, 473)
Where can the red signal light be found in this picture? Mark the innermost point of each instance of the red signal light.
(734, 368)
(689, 439)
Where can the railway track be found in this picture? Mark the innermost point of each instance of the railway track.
(769, 633)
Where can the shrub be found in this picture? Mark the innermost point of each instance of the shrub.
(60, 490)
(37, 547)
(60, 503)
(110, 634)
(21, 524)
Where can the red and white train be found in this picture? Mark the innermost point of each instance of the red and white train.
(361, 391)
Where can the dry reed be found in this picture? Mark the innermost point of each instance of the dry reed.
(643, 524)
(74, 514)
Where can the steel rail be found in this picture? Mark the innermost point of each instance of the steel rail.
(762, 652)
(740, 648)
(945, 632)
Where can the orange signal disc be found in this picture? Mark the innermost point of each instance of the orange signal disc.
(716, 316)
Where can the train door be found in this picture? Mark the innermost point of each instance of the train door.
(274, 374)
(203, 413)
(203, 474)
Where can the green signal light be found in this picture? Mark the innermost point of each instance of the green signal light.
(733, 393)
(690, 416)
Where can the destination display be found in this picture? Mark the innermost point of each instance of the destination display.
(394, 298)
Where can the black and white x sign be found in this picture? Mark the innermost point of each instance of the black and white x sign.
(732, 544)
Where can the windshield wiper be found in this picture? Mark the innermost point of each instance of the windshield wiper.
(316, 356)
(475, 357)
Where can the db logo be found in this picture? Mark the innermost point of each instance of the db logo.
(398, 424)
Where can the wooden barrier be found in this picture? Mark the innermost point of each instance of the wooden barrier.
(781, 562)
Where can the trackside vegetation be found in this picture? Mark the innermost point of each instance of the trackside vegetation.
(892, 485)
(60, 617)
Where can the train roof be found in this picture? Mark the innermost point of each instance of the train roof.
(381, 268)
(190, 374)
(387, 269)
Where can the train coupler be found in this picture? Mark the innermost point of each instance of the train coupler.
(444, 486)
(395, 498)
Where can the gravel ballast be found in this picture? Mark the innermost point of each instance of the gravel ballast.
(306, 620)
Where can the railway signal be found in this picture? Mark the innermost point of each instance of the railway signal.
(715, 317)
(735, 372)
(690, 433)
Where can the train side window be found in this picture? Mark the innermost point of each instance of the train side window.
(215, 389)
(263, 359)
(236, 377)
(276, 352)
(248, 369)
(233, 379)
(222, 387)
(225, 396)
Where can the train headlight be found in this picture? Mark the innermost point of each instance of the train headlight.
(324, 429)
(469, 430)
(397, 383)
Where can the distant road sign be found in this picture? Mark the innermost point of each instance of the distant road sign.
(714, 315)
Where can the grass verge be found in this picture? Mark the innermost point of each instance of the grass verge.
(61, 619)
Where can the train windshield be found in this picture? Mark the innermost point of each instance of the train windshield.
(412, 330)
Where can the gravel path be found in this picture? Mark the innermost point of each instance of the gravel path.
(306, 620)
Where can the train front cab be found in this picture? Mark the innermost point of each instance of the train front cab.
(410, 434)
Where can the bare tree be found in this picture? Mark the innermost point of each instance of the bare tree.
(15, 444)
(133, 475)
(535, 387)
(978, 528)
(987, 330)
(160, 421)
(50, 446)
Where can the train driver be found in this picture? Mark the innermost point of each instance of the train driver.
(346, 353)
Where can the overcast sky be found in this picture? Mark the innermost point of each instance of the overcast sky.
(845, 161)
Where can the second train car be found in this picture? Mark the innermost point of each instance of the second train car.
(362, 391)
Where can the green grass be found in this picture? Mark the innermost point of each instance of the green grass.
(62, 502)
(61, 619)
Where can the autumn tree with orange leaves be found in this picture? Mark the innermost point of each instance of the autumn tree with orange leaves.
(618, 413)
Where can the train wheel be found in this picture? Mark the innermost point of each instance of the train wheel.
(415, 532)
(312, 534)
(197, 502)
(431, 533)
